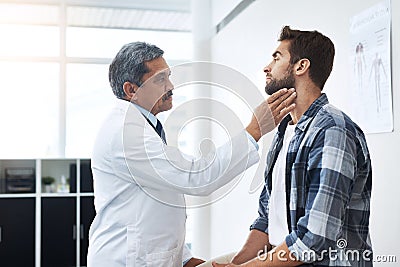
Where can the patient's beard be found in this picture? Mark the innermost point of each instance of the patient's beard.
(275, 85)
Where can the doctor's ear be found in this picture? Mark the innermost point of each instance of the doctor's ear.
(302, 66)
(130, 90)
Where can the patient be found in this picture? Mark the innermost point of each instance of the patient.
(314, 207)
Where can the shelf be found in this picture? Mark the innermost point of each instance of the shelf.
(17, 176)
(58, 194)
(17, 195)
(15, 183)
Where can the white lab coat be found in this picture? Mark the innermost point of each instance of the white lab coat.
(139, 187)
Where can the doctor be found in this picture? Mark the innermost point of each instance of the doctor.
(140, 182)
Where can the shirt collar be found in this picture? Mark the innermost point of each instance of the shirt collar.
(150, 116)
(312, 111)
(307, 117)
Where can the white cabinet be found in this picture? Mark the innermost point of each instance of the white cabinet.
(52, 220)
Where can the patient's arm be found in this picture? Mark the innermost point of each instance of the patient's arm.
(193, 262)
(278, 257)
(256, 241)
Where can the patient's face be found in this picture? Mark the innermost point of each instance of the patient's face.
(279, 73)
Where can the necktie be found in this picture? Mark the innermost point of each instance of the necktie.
(158, 128)
(160, 131)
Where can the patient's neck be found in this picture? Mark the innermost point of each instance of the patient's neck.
(307, 93)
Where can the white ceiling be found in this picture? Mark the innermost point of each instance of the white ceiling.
(170, 15)
(128, 18)
(166, 5)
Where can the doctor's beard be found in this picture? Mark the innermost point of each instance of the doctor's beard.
(275, 85)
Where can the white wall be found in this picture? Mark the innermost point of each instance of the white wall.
(221, 8)
(246, 44)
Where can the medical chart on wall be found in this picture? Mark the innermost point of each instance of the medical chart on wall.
(370, 57)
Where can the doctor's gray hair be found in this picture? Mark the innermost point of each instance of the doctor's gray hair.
(129, 65)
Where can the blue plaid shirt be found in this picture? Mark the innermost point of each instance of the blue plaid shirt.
(328, 188)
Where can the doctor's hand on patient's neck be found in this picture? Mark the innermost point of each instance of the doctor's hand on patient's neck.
(271, 112)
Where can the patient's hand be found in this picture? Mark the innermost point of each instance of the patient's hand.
(214, 264)
(193, 262)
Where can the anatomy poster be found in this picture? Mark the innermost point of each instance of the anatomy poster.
(370, 56)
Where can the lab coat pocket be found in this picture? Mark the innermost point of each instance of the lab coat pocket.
(161, 259)
(132, 246)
